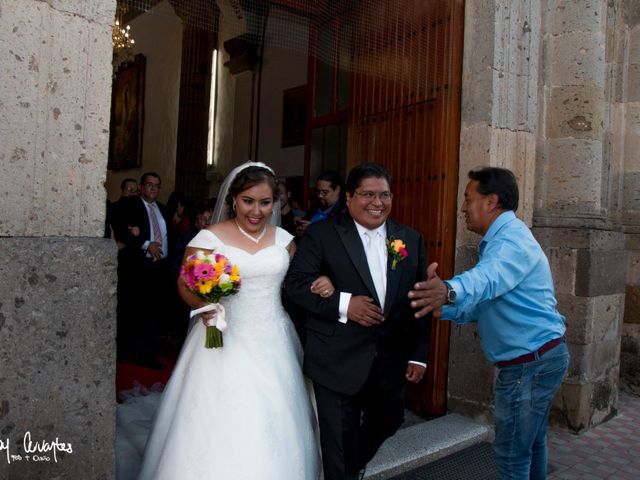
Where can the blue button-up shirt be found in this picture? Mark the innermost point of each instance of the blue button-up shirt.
(509, 293)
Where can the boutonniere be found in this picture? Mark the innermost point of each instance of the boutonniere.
(398, 251)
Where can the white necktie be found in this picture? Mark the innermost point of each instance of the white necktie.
(375, 263)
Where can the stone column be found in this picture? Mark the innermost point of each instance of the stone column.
(499, 117)
(573, 215)
(538, 87)
(626, 145)
(57, 273)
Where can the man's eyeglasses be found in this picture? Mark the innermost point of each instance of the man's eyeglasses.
(151, 185)
(324, 193)
(368, 195)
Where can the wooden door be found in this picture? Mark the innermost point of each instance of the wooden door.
(405, 63)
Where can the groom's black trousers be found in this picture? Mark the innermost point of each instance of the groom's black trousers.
(352, 427)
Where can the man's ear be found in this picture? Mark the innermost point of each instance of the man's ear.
(493, 201)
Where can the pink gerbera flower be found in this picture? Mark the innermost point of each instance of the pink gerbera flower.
(191, 281)
(204, 271)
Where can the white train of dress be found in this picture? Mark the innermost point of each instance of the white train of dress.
(240, 412)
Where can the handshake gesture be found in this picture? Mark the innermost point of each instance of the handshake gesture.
(429, 295)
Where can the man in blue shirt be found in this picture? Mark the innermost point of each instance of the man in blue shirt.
(509, 294)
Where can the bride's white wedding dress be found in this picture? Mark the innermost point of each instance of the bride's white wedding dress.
(240, 412)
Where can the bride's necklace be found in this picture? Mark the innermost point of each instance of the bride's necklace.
(249, 236)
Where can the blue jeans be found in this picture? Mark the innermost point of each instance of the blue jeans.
(523, 398)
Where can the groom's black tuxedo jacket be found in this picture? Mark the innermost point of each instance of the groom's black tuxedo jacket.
(339, 356)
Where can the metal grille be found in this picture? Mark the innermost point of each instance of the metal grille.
(473, 463)
(374, 19)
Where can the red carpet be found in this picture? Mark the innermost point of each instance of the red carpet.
(127, 373)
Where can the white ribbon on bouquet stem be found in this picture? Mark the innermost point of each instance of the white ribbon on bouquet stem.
(218, 319)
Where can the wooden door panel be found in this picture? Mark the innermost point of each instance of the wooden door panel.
(404, 113)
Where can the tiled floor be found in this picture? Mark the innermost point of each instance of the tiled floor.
(610, 451)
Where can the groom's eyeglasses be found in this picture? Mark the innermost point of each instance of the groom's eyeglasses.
(368, 195)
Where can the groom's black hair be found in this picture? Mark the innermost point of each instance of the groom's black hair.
(366, 170)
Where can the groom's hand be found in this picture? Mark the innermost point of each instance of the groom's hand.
(415, 372)
(364, 311)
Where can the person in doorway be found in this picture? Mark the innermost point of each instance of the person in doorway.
(287, 215)
(362, 342)
(143, 229)
(128, 188)
(510, 295)
(330, 191)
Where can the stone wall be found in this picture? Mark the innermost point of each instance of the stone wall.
(57, 275)
(56, 97)
(626, 145)
(574, 211)
(57, 362)
(499, 122)
(589, 270)
(540, 81)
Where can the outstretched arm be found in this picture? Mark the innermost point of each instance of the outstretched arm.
(429, 295)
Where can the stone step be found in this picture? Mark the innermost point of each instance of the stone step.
(426, 442)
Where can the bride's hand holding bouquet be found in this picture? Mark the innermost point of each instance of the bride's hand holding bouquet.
(210, 276)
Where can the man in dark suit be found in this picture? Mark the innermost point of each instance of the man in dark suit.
(362, 342)
(143, 228)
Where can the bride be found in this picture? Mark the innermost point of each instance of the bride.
(241, 411)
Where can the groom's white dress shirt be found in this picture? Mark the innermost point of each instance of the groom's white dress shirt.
(375, 247)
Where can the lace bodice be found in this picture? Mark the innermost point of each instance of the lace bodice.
(257, 305)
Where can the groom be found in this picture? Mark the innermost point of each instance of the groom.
(362, 342)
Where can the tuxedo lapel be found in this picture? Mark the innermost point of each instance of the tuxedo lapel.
(394, 231)
(353, 245)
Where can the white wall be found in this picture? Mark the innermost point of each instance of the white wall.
(283, 68)
(158, 36)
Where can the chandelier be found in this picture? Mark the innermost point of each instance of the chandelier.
(121, 37)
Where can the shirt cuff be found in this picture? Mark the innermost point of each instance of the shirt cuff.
(422, 364)
(450, 312)
(145, 245)
(343, 307)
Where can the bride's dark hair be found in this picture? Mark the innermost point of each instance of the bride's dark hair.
(247, 178)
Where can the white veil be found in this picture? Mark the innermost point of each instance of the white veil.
(221, 211)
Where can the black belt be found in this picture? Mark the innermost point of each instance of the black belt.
(530, 357)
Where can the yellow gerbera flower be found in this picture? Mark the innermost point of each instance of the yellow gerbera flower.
(205, 286)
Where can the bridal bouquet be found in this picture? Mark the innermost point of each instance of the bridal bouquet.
(211, 277)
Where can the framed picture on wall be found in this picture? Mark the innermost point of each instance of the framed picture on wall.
(294, 116)
(127, 115)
